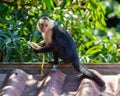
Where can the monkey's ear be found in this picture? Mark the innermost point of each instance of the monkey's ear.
(52, 23)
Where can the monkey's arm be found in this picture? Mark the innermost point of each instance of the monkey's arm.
(44, 49)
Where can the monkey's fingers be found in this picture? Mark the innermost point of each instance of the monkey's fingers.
(34, 45)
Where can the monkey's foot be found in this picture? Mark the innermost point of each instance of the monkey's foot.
(54, 68)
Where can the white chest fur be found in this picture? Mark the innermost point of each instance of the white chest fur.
(47, 37)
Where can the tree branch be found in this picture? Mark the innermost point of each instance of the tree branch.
(13, 3)
(9, 3)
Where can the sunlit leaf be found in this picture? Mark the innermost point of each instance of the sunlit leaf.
(47, 4)
(93, 50)
(34, 2)
(103, 59)
(44, 6)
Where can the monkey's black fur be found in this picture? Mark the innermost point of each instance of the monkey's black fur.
(64, 47)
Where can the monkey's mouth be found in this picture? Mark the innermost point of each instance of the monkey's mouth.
(43, 30)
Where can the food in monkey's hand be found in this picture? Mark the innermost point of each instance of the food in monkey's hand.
(34, 45)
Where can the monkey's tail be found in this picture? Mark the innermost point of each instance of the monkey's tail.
(88, 74)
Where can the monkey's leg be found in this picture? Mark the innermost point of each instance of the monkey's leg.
(88, 74)
(56, 62)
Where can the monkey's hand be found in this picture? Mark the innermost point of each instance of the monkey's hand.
(36, 50)
(34, 45)
(42, 43)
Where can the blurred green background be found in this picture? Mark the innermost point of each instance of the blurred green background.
(94, 25)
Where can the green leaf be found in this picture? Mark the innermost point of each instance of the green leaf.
(7, 40)
(48, 4)
(103, 59)
(94, 50)
(8, 54)
(34, 2)
(63, 4)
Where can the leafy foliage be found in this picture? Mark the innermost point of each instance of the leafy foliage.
(84, 19)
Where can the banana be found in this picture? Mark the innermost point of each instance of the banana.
(34, 45)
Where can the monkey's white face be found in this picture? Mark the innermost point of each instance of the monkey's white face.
(44, 26)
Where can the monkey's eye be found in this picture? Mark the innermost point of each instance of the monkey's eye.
(46, 25)
(41, 25)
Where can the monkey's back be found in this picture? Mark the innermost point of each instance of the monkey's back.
(65, 45)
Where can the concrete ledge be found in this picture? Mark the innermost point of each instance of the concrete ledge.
(34, 67)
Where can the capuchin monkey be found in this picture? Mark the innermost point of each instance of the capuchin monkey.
(59, 41)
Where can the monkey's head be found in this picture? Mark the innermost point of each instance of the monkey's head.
(45, 24)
